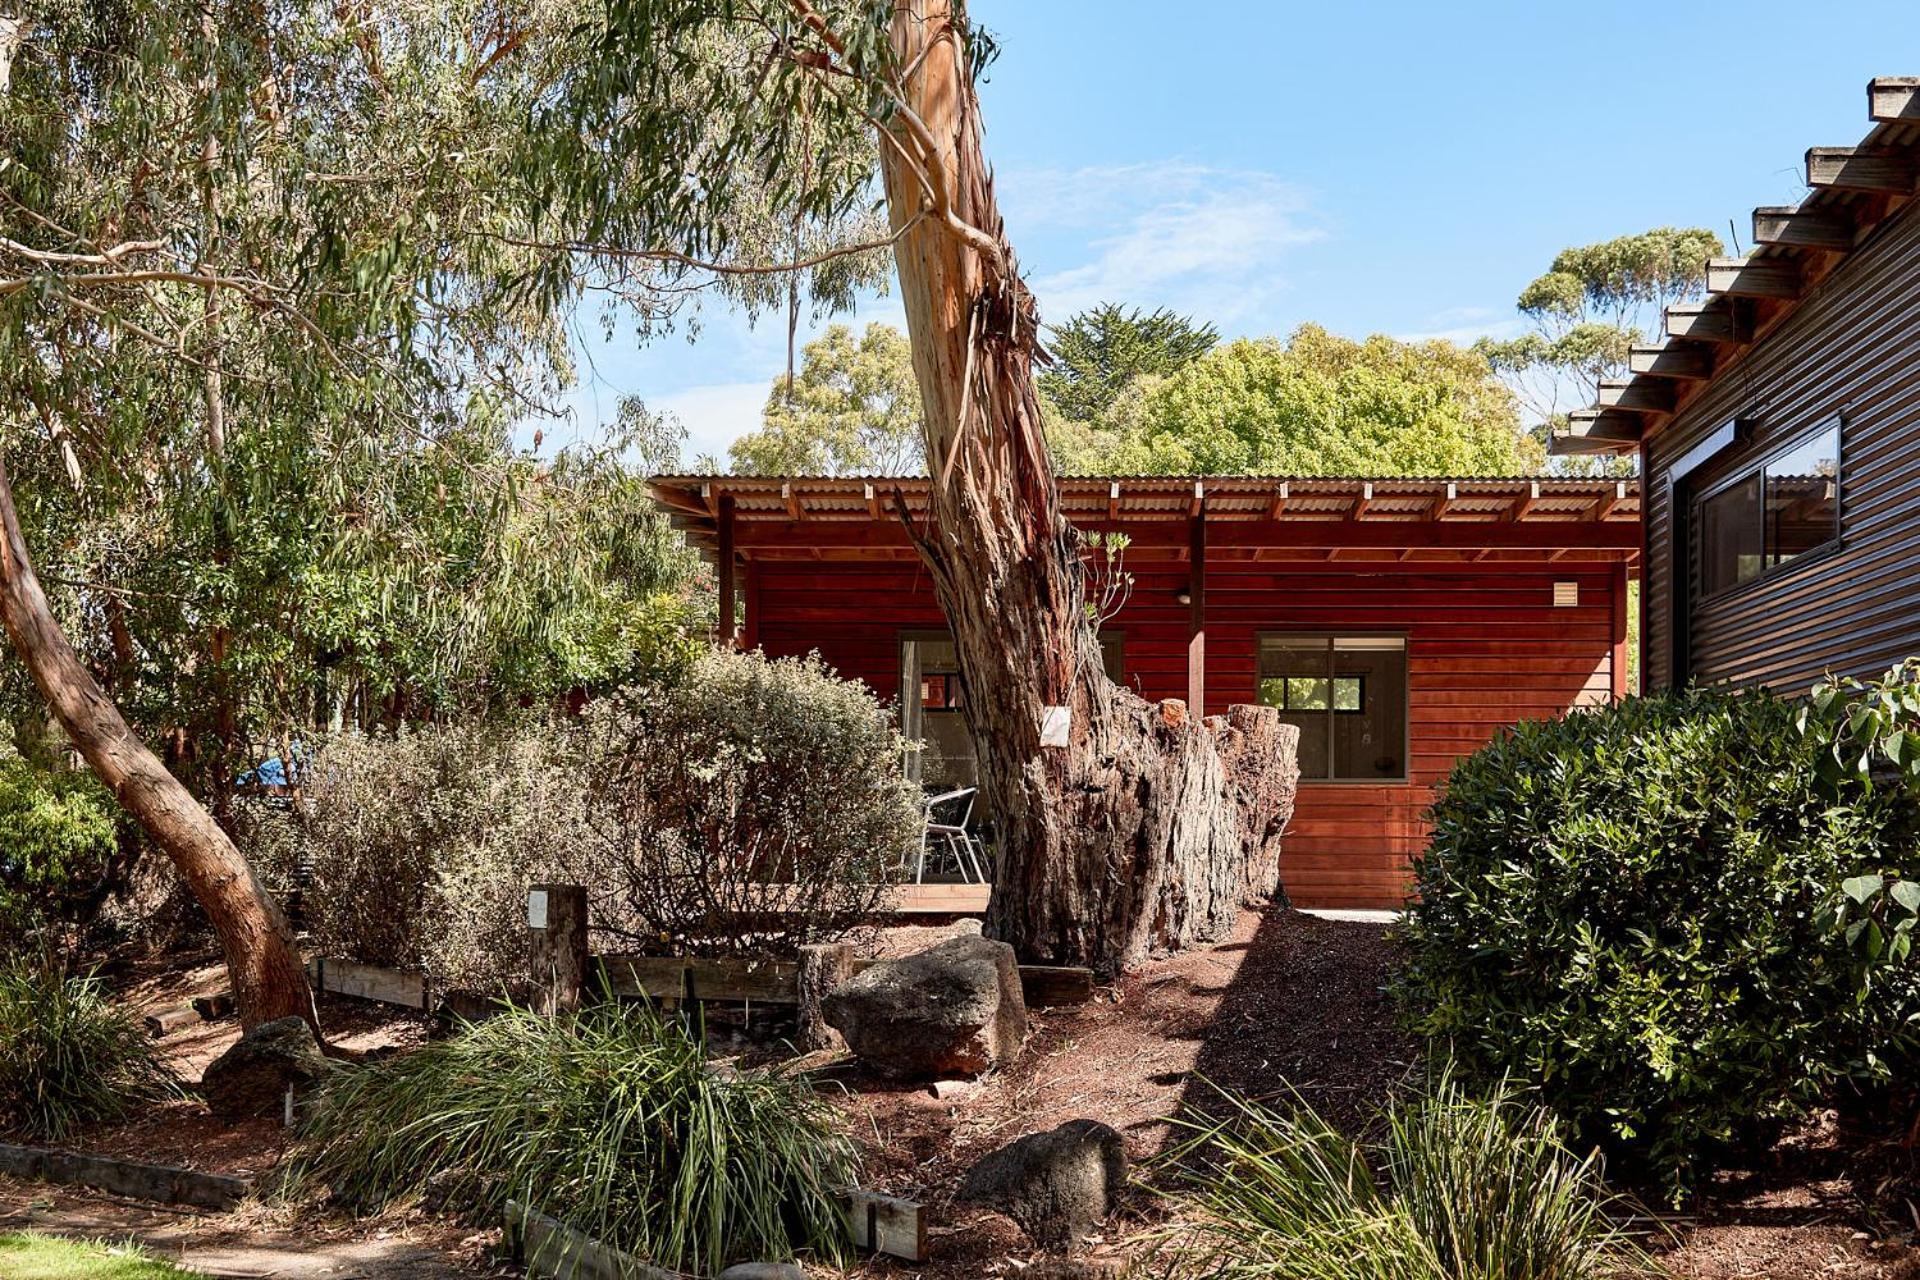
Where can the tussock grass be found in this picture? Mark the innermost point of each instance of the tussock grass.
(70, 1057)
(1459, 1188)
(611, 1121)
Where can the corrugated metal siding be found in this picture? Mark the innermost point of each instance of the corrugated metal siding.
(1853, 348)
(1485, 648)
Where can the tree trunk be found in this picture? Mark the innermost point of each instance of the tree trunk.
(1135, 834)
(268, 980)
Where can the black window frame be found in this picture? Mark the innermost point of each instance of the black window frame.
(1331, 638)
(1755, 468)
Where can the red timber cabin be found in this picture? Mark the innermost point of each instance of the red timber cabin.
(1400, 623)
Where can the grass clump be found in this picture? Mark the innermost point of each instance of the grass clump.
(28, 1255)
(70, 1056)
(1459, 1188)
(612, 1121)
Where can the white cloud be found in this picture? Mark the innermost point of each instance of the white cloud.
(715, 415)
(1465, 326)
(1211, 242)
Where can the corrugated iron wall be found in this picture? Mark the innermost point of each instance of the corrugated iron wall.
(1853, 348)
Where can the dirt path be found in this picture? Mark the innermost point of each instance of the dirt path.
(241, 1244)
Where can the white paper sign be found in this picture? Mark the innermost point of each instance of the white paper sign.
(537, 909)
(1055, 725)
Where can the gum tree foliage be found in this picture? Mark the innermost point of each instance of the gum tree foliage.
(1594, 302)
(1100, 352)
(276, 285)
(1318, 404)
(853, 409)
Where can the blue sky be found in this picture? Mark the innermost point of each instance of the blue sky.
(1388, 167)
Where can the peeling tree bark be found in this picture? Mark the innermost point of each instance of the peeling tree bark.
(268, 980)
(1136, 835)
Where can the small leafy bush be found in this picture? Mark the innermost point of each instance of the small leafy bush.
(758, 804)
(414, 848)
(611, 1121)
(1625, 907)
(1459, 1188)
(69, 1056)
(748, 803)
(59, 845)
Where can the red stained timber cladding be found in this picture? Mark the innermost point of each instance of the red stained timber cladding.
(1484, 649)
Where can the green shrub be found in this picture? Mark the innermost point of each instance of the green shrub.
(611, 1121)
(676, 804)
(1624, 908)
(1459, 1188)
(69, 1056)
(417, 846)
(59, 841)
(752, 772)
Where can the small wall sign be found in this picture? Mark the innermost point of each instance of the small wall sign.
(537, 909)
(1055, 725)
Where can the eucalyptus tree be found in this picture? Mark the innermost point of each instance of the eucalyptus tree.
(276, 283)
(1120, 820)
(1594, 302)
(853, 409)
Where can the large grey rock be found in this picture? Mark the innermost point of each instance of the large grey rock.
(251, 1078)
(1059, 1186)
(763, 1271)
(952, 1010)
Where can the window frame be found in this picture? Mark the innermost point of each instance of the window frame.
(1752, 468)
(1405, 776)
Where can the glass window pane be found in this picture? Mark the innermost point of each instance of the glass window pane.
(1347, 694)
(945, 759)
(1803, 498)
(1293, 677)
(1306, 693)
(1370, 688)
(1731, 546)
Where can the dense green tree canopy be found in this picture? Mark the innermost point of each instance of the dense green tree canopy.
(852, 409)
(1318, 404)
(1098, 353)
(278, 287)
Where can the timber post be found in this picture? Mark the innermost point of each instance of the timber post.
(557, 946)
(1197, 605)
(723, 573)
(823, 966)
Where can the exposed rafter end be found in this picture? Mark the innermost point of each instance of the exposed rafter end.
(1630, 396)
(1891, 99)
(1803, 228)
(1361, 503)
(1861, 169)
(1444, 503)
(1722, 320)
(1754, 277)
(792, 500)
(1278, 503)
(1684, 360)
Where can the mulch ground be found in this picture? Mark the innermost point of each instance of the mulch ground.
(1291, 1004)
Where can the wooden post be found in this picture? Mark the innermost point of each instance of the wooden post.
(1197, 615)
(750, 626)
(723, 584)
(1620, 689)
(557, 933)
(822, 968)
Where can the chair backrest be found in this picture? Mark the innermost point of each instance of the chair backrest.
(951, 808)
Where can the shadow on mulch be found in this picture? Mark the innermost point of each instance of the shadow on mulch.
(1306, 1013)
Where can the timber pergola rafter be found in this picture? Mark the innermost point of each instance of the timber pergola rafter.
(1852, 190)
(736, 520)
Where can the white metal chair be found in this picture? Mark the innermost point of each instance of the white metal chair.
(947, 836)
